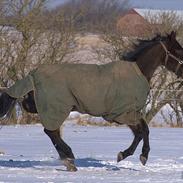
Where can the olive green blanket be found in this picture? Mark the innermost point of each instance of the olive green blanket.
(112, 91)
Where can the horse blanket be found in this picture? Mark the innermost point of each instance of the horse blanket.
(113, 90)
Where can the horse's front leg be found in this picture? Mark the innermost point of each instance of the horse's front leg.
(138, 135)
(140, 131)
(64, 151)
(146, 146)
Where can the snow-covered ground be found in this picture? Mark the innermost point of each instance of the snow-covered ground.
(30, 156)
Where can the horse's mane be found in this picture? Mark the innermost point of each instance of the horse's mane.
(140, 47)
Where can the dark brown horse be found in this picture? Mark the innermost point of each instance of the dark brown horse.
(148, 55)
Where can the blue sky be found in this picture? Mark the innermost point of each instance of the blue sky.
(158, 4)
(155, 4)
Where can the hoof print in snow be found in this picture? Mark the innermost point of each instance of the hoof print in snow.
(143, 160)
(120, 157)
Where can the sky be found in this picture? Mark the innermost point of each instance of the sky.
(154, 4)
(158, 4)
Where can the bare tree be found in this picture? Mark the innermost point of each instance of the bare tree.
(28, 41)
(93, 15)
(166, 91)
(165, 21)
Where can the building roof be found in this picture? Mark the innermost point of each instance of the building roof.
(145, 12)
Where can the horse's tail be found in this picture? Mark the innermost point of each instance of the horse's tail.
(9, 96)
(7, 104)
(21, 87)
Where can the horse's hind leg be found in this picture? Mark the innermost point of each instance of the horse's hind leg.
(64, 151)
(137, 131)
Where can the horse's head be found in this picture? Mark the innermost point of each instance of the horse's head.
(173, 60)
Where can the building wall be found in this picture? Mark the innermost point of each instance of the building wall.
(133, 24)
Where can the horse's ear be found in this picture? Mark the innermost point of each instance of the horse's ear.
(172, 35)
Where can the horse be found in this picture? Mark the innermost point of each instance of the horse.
(90, 88)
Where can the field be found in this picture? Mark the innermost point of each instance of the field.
(30, 157)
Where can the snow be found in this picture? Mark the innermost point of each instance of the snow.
(29, 156)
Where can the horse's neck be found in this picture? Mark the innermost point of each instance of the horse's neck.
(150, 60)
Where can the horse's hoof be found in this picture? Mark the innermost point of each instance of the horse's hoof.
(72, 169)
(143, 160)
(69, 163)
(120, 157)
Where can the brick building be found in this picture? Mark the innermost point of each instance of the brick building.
(135, 22)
